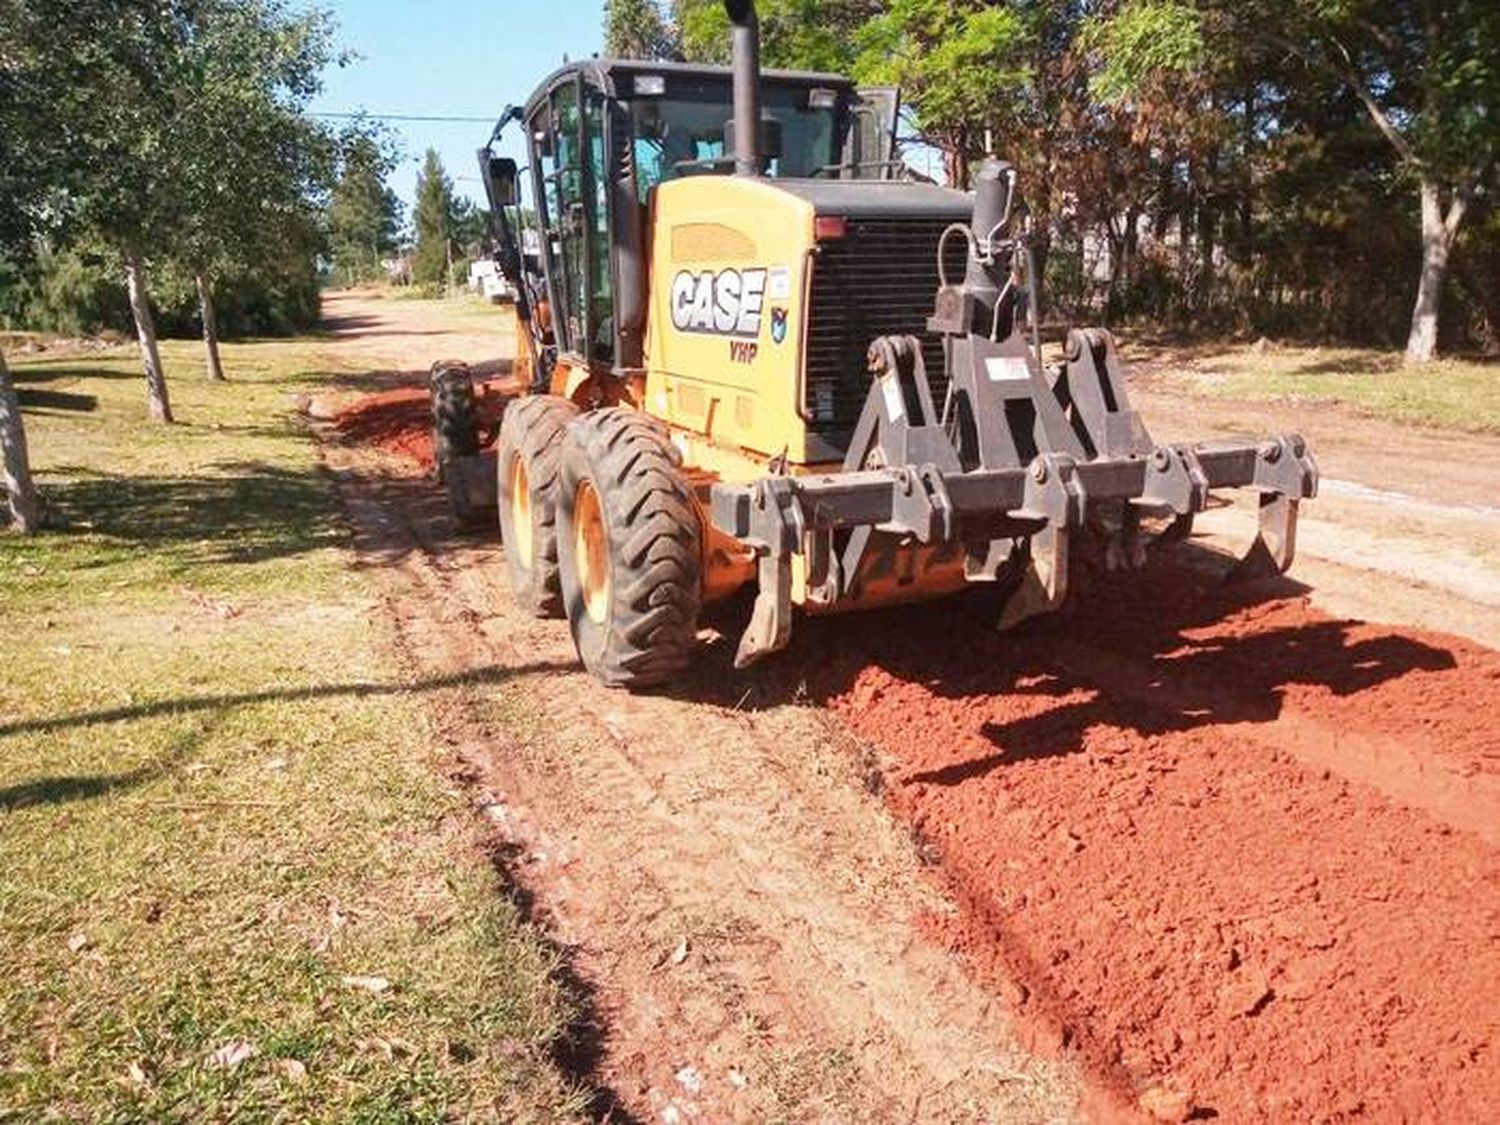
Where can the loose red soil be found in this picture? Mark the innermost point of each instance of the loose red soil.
(1178, 829)
(1240, 858)
(398, 421)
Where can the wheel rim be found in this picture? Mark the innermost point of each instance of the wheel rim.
(591, 549)
(520, 511)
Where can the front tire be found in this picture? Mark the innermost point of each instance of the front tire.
(629, 548)
(527, 463)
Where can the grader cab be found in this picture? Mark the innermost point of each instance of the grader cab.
(754, 350)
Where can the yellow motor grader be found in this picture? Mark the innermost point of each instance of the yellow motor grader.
(755, 350)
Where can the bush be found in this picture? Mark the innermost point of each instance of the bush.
(76, 293)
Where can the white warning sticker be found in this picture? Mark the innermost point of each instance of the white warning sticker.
(1007, 369)
(779, 283)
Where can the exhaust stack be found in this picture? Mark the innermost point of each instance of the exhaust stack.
(745, 57)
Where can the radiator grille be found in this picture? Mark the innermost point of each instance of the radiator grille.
(878, 280)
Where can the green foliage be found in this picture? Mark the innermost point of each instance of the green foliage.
(364, 215)
(70, 292)
(174, 131)
(1206, 163)
(249, 165)
(433, 218)
(1428, 74)
(958, 63)
(79, 292)
(1142, 41)
(703, 29)
(635, 29)
(795, 34)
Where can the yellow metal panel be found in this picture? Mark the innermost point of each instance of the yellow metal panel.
(724, 337)
(710, 242)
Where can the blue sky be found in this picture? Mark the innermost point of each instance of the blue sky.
(451, 58)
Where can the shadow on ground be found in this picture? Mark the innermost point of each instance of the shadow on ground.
(180, 705)
(1152, 654)
(245, 512)
(55, 402)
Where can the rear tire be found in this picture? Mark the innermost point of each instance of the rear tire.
(455, 437)
(455, 421)
(630, 548)
(527, 463)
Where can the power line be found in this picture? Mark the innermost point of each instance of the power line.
(408, 117)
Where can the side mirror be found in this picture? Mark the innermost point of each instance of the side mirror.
(500, 174)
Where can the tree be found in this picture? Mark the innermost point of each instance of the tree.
(33, 153)
(796, 34)
(1427, 76)
(433, 218)
(635, 29)
(15, 464)
(112, 65)
(958, 62)
(364, 215)
(248, 160)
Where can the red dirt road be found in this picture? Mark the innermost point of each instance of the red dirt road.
(396, 421)
(1149, 825)
(1236, 856)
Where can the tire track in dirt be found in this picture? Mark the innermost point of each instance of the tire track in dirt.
(803, 991)
(1236, 854)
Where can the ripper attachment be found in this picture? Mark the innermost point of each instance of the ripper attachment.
(1017, 466)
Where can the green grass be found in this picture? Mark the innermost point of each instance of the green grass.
(220, 798)
(1450, 393)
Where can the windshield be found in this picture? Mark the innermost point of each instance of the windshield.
(682, 134)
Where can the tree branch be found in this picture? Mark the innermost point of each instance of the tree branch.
(1349, 77)
(1455, 213)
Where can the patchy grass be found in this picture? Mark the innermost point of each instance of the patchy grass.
(1451, 393)
(235, 881)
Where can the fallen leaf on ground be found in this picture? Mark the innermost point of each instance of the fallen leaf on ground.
(78, 942)
(291, 1069)
(369, 984)
(389, 1049)
(231, 1054)
(222, 610)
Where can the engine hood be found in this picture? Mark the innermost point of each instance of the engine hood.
(857, 198)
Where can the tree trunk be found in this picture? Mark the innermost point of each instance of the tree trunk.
(145, 330)
(1439, 228)
(1117, 268)
(15, 467)
(210, 326)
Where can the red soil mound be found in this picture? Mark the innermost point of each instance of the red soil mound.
(1240, 857)
(398, 421)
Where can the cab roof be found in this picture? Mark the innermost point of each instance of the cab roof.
(606, 74)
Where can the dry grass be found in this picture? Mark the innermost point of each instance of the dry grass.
(225, 825)
(1460, 394)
